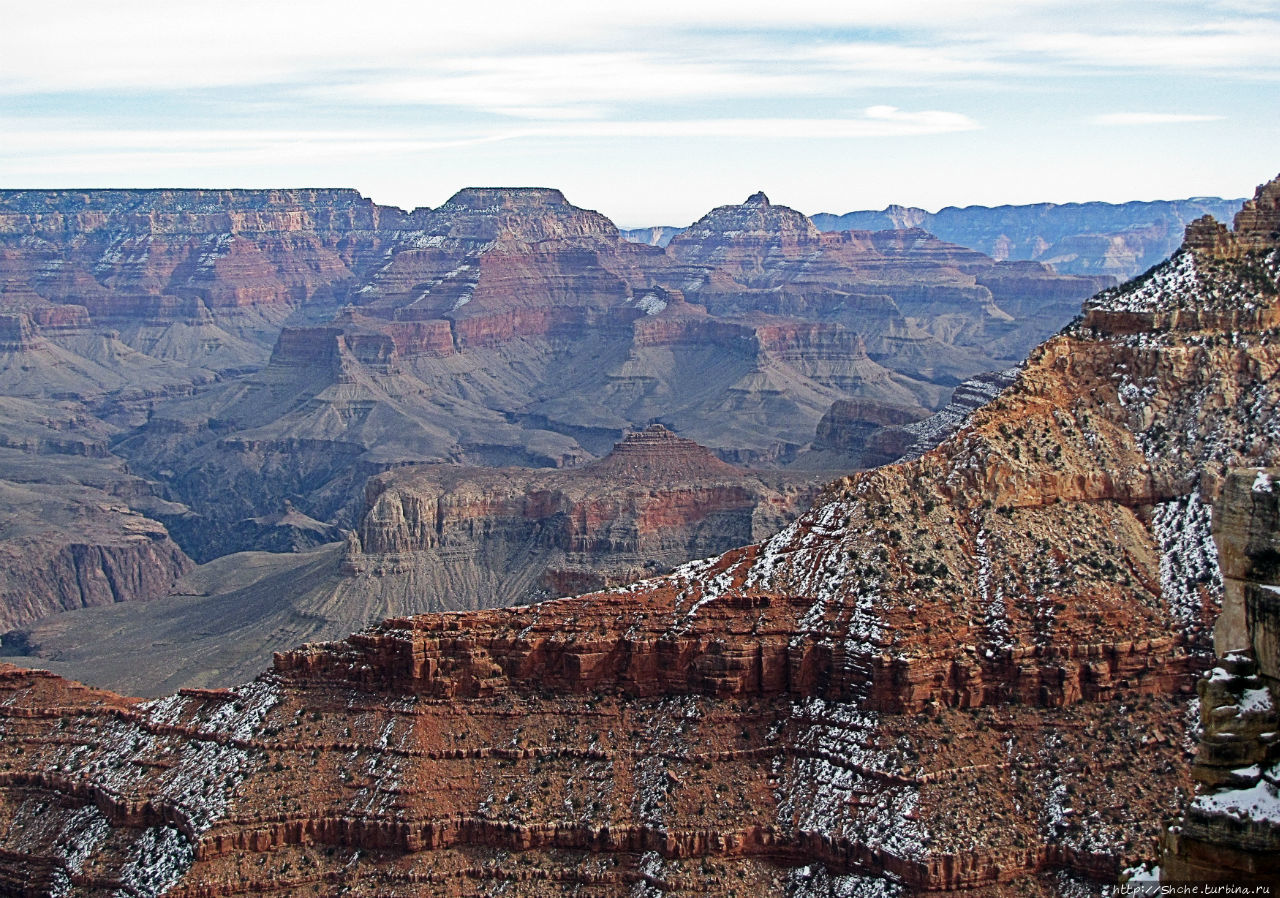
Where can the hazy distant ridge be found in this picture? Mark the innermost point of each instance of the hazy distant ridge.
(1121, 239)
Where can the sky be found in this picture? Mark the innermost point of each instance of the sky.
(650, 112)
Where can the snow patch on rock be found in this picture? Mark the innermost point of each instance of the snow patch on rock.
(1189, 572)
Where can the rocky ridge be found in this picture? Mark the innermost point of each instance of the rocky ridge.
(512, 328)
(936, 679)
(652, 503)
(1121, 239)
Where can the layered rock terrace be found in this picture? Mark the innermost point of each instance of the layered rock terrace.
(936, 679)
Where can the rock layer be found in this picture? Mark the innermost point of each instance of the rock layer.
(938, 678)
(1231, 831)
(1121, 239)
(513, 535)
(509, 327)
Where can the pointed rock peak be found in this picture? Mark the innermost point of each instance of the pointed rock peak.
(1257, 227)
(657, 454)
(755, 220)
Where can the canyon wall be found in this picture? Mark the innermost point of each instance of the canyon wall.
(1230, 832)
(516, 535)
(938, 678)
(1121, 239)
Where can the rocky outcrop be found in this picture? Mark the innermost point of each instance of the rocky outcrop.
(1257, 225)
(938, 678)
(1230, 832)
(470, 538)
(65, 548)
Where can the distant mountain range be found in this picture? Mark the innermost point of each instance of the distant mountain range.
(1119, 239)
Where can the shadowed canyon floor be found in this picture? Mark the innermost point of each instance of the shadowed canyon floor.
(431, 538)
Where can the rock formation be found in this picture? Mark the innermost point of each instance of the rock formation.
(110, 303)
(509, 327)
(1121, 239)
(76, 527)
(938, 678)
(432, 538)
(1230, 832)
(483, 538)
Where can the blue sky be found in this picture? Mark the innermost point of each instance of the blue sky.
(652, 113)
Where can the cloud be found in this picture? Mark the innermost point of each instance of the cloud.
(146, 46)
(78, 151)
(555, 81)
(876, 121)
(1151, 118)
(1239, 47)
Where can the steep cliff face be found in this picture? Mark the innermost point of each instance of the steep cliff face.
(937, 678)
(68, 547)
(76, 526)
(483, 538)
(1230, 832)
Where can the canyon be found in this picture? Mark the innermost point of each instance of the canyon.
(977, 669)
(201, 373)
(1121, 239)
(431, 538)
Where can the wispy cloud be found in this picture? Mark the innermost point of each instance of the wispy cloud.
(1244, 47)
(69, 150)
(875, 121)
(573, 91)
(553, 82)
(399, 51)
(1151, 118)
